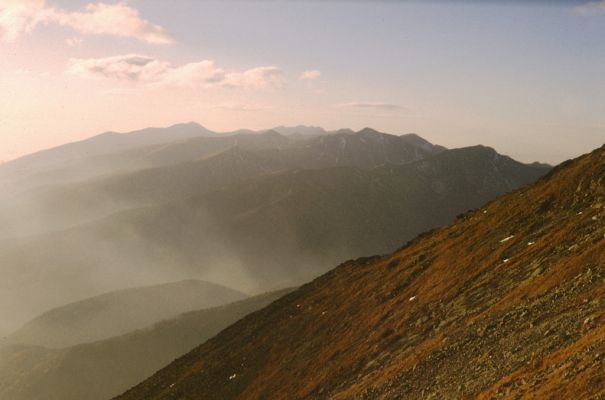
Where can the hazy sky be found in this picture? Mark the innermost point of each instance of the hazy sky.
(524, 77)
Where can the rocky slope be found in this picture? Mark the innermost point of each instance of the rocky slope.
(508, 301)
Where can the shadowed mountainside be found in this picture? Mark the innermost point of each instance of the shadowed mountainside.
(507, 301)
(85, 188)
(100, 370)
(274, 230)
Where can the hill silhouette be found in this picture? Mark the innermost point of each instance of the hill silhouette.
(102, 369)
(119, 312)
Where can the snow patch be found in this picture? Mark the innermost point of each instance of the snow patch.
(506, 239)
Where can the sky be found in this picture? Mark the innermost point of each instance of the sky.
(525, 77)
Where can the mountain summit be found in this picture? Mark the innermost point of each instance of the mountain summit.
(507, 301)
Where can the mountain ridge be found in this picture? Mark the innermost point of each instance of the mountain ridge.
(118, 312)
(102, 369)
(323, 216)
(508, 300)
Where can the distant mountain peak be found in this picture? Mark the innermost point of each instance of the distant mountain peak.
(190, 124)
(305, 130)
(369, 131)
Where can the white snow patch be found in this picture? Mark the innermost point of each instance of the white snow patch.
(412, 298)
(232, 377)
(506, 239)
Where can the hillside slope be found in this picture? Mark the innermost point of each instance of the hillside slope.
(118, 312)
(509, 300)
(351, 212)
(100, 370)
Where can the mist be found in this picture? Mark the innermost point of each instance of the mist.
(253, 212)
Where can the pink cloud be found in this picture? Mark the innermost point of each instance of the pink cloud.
(148, 70)
(73, 41)
(22, 16)
(258, 77)
(194, 74)
(310, 74)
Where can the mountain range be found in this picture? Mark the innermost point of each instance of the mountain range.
(506, 301)
(251, 211)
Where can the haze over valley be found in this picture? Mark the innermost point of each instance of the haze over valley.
(302, 200)
(251, 211)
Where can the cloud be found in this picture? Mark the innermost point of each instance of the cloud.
(259, 77)
(147, 70)
(114, 19)
(242, 107)
(19, 17)
(591, 8)
(73, 41)
(310, 74)
(372, 105)
(193, 74)
(130, 67)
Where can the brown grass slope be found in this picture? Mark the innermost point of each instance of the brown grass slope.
(506, 301)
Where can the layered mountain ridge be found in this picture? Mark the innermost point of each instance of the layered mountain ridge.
(102, 369)
(251, 210)
(309, 218)
(507, 301)
(119, 312)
